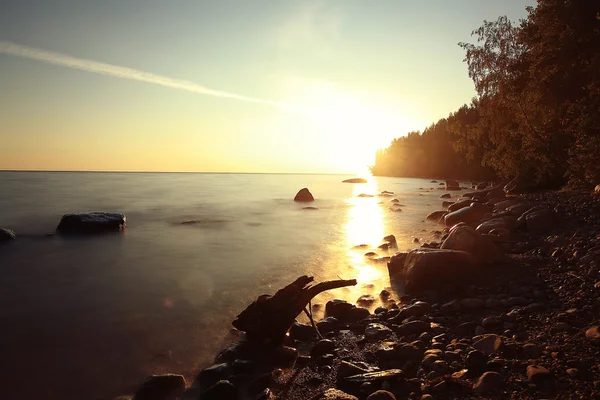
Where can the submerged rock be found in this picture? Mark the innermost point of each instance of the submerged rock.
(355, 180)
(304, 195)
(452, 185)
(6, 235)
(470, 215)
(91, 222)
(437, 215)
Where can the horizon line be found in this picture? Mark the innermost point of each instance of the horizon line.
(179, 172)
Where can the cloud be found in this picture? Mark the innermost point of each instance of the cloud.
(116, 71)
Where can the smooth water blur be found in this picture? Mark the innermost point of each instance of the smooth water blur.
(96, 315)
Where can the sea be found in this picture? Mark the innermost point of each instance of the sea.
(90, 317)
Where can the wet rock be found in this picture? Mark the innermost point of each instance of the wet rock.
(214, 373)
(338, 309)
(7, 235)
(489, 382)
(446, 196)
(489, 344)
(334, 394)
(459, 205)
(593, 335)
(381, 395)
(357, 314)
(538, 374)
(452, 185)
(384, 295)
(447, 204)
(440, 367)
(365, 195)
(424, 269)
(466, 329)
(328, 324)
(504, 223)
(469, 215)
(377, 331)
(323, 346)
(304, 195)
(437, 215)
(390, 239)
(476, 360)
(365, 300)
(531, 350)
(161, 387)
(355, 180)
(90, 223)
(464, 238)
(412, 328)
(302, 332)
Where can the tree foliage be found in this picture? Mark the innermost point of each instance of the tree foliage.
(537, 113)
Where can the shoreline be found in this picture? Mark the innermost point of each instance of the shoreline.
(517, 330)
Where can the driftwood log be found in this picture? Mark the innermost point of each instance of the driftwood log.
(268, 319)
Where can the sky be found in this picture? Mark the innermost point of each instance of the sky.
(313, 86)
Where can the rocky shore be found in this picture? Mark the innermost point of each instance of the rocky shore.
(520, 322)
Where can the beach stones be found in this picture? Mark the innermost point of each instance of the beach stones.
(159, 387)
(334, 394)
(304, 195)
(436, 215)
(464, 238)
(7, 235)
(593, 335)
(91, 222)
(469, 215)
(488, 383)
(423, 269)
(452, 185)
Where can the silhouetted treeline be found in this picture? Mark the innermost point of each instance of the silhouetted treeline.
(537, 113)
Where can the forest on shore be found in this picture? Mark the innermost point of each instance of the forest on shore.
(537, 110)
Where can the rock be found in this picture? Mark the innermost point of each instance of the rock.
(508, 223)
(518, 209)
(437, 215)
(464, 238)
(452, 185)
(377, 331)
(365, 300)
(310, 208)
(472, 303)
(338, 309)
(423, 269)
(7, 235)
(412, 328)
(346, 369)
(222, 390)
(379, 376)
(476, 360)
(92, 222)
(447, 204)
(381, 395)
(328, 324)
(531, 350)
(322, 347)
(538, 374)
(302, 332)
(284, 357)
(459, 205)
(391, 239)
(440, 367)
(593, 335)
(357, 314)
(541, 221)
(214, 373)
(355, 180)
(488, 383)
(334, 394)
(304, 195)
(469, 215)
(161, 387)
(503, 205)
(489, 344)
(466, 328)
(446, 196)
(365, 195)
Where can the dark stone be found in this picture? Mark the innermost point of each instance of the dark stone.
(446, 196)
(538, 374)
(437, 215)
(304, 195)
(476, 360)
(284, 357)
(412, 328)
(488, 383)
(357, 314)
(328, 324)
(90, 223)
(302, 332)
(324, 346)
(338, 308)
(381, 395)
(7, 235)
(214, 373)
(334, 394)
(593, 335)
(222, 390)
(469, 215)
(466, 329)
(161, 387)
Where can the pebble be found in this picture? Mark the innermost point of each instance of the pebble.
(489, 344)
(538, 374)
(593, 335)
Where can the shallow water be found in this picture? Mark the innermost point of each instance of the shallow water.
(96, 315)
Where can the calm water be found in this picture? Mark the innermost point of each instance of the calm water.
(88, 318)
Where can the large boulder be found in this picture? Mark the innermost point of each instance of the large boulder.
(304, 195)
(460, 204)
(424, 269)
(464, 238)
(452, 185)
(7, 235)
(472, 214)
(91, 222)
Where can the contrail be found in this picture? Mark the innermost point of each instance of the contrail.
(64, 60)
